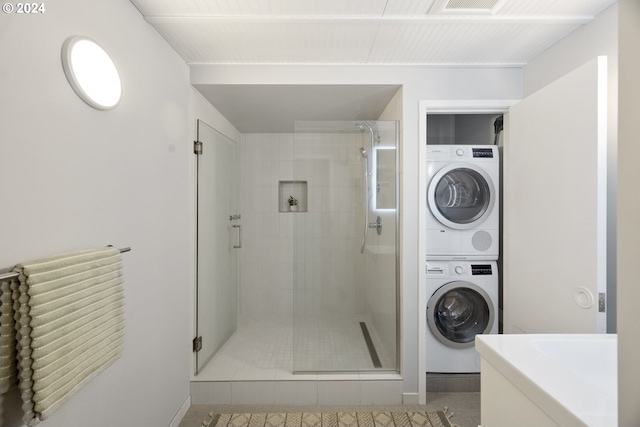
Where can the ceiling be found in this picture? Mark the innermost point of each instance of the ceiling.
(381, 32)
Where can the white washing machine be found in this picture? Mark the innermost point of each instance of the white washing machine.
(462, 200)
(462, 302)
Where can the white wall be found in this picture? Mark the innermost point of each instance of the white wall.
(628, 214)
(74, 177)
(418, 83)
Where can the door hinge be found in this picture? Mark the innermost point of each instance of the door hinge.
(197, 344)
(602, 302)
(197, 147)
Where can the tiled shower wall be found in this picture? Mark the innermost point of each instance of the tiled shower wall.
(327, 262)
(323, 264)
(266, 258)
(328, 265)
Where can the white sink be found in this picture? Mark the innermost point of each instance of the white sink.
(568, 379)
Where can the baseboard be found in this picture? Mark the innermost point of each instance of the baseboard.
(453, 383)
(410, 398)
(181, 412)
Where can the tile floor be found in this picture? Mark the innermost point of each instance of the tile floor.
(265, 349)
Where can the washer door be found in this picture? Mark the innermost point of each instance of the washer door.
(457, 312)
(461, 195)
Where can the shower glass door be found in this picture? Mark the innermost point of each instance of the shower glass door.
(345, 247)
(218, 237)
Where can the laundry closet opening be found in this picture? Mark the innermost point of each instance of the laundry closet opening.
(313, 228)
(470, 130)
(462, 244)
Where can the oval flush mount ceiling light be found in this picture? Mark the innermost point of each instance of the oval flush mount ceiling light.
(91, 72)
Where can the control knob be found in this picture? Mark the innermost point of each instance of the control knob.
(459, 269)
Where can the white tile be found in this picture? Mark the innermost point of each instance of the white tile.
(270, 172)
(380, 377)
(381, 393)
(296, 393)
(285, 170)
(252, 393)
(210, 393)
(338, 392)
(253, 373)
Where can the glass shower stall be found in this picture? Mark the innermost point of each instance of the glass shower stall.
(345, 315)
(336, 221)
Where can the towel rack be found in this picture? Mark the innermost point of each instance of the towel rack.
(12, 275)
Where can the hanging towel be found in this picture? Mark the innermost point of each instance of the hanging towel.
(69, 314)
(8, 368)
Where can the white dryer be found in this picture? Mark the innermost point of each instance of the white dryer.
(462, 302)
(462, 200)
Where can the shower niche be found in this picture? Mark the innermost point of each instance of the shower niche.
(296, 190)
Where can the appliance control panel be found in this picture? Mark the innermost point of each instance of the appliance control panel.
(462, 152)
(448, 269)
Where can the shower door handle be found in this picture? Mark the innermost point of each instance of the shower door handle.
(239, 227)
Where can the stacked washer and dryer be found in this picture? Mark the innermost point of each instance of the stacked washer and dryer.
(462, 253)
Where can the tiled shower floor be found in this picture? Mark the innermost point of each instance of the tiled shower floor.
(263, 349)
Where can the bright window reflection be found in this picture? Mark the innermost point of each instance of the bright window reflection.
(383, 179)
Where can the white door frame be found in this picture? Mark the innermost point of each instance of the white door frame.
(438, 107)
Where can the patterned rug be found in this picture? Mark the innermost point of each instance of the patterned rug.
(332, 419)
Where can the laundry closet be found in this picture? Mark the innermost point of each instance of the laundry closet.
(462, 244)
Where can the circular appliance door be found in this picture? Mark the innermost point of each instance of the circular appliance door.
(461, 196)
(457, 312)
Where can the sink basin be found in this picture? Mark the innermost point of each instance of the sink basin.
(571, 379)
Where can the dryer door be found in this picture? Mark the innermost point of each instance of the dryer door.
(461, 196)
(457, 312)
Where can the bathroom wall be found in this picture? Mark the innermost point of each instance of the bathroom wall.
(418, 83)
(74, 177)
(628, 214)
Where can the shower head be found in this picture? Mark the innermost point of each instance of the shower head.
(363, 152)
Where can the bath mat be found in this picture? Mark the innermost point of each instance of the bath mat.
(331, 419)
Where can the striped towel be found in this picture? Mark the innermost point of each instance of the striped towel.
(69, 314)
(8, 368)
